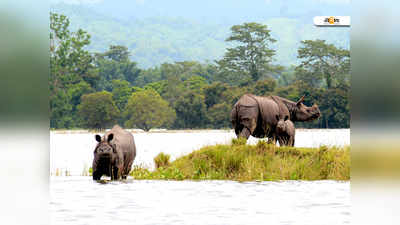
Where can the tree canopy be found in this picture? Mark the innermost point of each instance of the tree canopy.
(146, 109)
(97, 89)
(252, 55)
(98, 110)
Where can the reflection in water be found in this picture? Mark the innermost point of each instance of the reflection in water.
(79, 200)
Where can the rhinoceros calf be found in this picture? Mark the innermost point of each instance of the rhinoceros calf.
(285, 131)
(114, 154)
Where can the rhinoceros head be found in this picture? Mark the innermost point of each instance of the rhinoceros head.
(305, 113)
(281, 125)
(104, 148)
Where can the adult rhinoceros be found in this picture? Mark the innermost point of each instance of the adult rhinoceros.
(114, 154)
(256, 115)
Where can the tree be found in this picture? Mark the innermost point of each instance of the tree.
(219, 115)
(115, 64)
(159, 86)
(98, 110)
(190, 110)
(324, 74)
(60, 110)
(117, 53)
(335, 107)
(195, 83)
(71, 70)
(264, 87)
(252, 55)
(146, 109)
(323, 62)
(75, 92)
(121, 91)
(213, 93)
(69, 61)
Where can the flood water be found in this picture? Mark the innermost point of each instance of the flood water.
(78, 199)
(72, 152)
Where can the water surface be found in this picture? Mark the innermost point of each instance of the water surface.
(79, 200)
(72, 152)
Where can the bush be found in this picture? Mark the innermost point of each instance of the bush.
(162, 160)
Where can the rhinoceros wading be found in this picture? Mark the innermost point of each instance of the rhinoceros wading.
(285, 131)
(256, 115)
(114, 154)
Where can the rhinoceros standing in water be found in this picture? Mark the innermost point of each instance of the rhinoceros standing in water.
(256, 115)
(114, 154)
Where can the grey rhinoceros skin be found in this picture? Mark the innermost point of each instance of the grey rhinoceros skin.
(285, 132)
(256, 115)
(114, 154)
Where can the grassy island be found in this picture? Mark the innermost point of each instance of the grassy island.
(260, 162)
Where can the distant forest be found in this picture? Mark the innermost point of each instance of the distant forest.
(95, 89)
(155, 38)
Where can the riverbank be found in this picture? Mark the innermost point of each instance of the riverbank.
(260, 162)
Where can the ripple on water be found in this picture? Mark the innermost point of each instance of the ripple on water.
(79, 200)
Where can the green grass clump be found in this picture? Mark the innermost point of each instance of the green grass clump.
(160, 173)
(262, 162)
(239, 141)
(162, 160)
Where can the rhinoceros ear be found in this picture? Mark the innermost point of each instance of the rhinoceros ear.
(110, 137)
(300, 100)
(98, 138)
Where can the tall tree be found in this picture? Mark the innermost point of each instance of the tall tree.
(114, 64)
(70, 65)
(117, 53)
(323, 62)
(252, 55)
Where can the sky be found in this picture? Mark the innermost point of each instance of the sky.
(222, 10)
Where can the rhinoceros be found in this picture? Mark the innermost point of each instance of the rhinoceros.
(256, 115)
(285, 131)
(114, 154)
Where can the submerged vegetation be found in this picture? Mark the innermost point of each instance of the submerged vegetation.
(261, 162)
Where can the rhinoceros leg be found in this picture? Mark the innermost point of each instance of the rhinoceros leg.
(291, 141)
(273, 139)
(96, 175)
(245, 133)
(281, 141)
(115, 173)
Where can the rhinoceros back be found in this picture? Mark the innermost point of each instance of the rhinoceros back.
(125, 145)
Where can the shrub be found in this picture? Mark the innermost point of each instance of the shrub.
(162, 160)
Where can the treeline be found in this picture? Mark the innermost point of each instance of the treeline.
(96, 90)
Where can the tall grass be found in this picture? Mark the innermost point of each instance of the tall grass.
(255, 162)
(162, 160)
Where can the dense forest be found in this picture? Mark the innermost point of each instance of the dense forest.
(90, 89)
